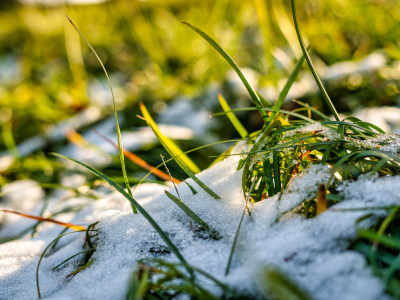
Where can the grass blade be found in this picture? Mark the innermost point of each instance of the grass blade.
(44, 252)
(168, 144)
(186, 152)
(311, 66)
(190, 213)
(119, 138)
(280, 287)
(277, 171)
(317, 112)
(80, 269)
(282, 111)
(286, 88)
(75, 255)
(268, 177)
(259, 144)
(139, 283)
(153, 223)
(254, 96)
(234, 120)
(176, 153)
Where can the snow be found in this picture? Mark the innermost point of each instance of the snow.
(312, 252)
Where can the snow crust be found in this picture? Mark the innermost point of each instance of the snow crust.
(311, 252)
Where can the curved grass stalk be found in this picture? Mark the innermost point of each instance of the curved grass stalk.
(286, 88)
(44, 252)
(311, 66)
(253, 94)
(119, 138)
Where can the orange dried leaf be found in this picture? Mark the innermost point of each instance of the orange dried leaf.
(68, 225)
(321, 199)
(140, 162)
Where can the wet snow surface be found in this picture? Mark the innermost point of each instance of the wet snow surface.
(312, 252)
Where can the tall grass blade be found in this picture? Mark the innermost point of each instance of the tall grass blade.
(119, 138)
(254, 96)
(277, 171)
(311, 66)
(286, 88)
(268, 177)
(168, 143)
(176, 153)
(234, 120)
(134, 203)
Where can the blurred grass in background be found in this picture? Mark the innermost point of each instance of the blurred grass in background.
(47, 74)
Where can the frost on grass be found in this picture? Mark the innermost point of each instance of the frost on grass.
(385, 142)
(313, 253)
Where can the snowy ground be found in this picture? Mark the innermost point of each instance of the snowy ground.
(312, 252)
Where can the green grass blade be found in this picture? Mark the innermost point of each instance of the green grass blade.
(277, 171)
(311, 66)
(190, 213)
(286, 88)
(153, 223)
(378, 153)
(168, 144)
(186, 152)
(316, 111)
(71, 257)
(119, 138)
(280, 287)
(254, 96)
(81, 268)
(282, 111)
(373, 236)
(44, 252)
(194, 192)
(263, 136)
(138, 284)
(234, 120)
(176, 153)
(268, 177)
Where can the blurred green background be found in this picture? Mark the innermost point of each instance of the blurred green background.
(48, 74)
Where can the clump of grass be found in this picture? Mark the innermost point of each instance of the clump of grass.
(291, 141)
(286, 145)
(381, 246)
(158, 279)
